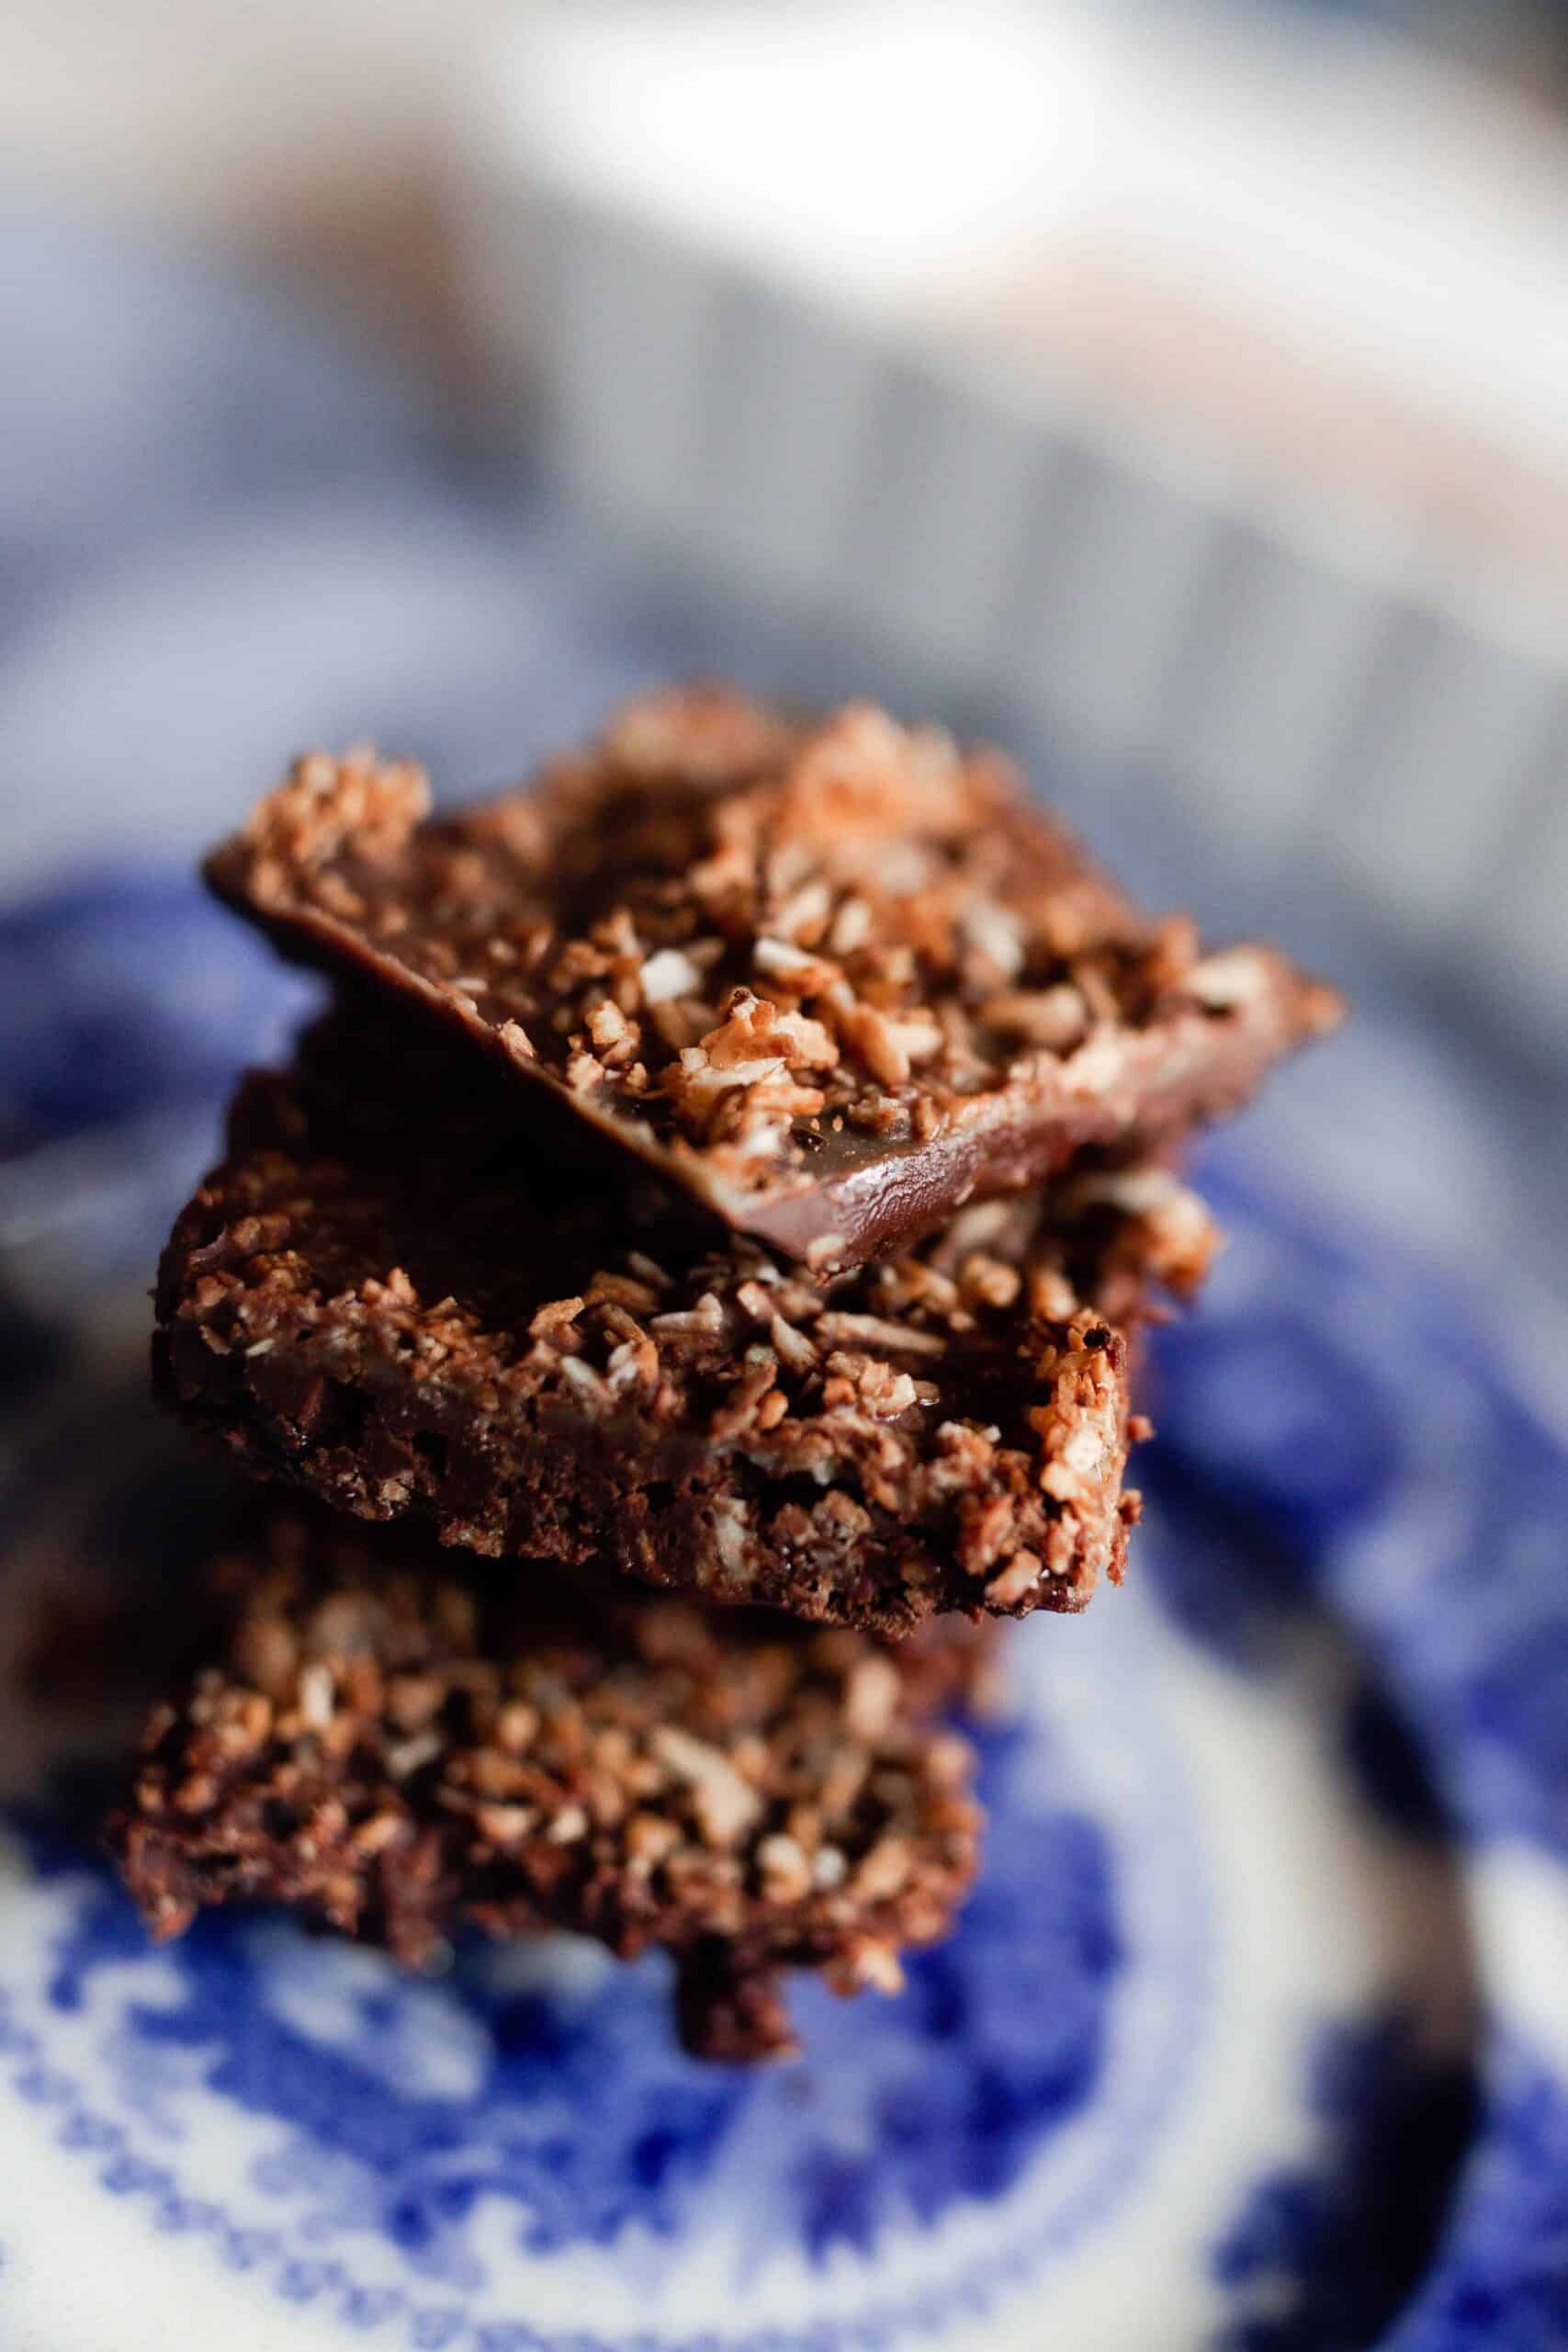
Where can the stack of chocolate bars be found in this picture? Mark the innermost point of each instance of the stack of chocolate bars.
(684, 1292)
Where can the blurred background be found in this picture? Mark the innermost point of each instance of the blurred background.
(1180, 395)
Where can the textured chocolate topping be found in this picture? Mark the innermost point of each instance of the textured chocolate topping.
(837, 979)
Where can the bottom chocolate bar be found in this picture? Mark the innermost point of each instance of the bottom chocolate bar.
(403, 1746)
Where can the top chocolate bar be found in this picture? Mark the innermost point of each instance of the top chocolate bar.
(835, 977)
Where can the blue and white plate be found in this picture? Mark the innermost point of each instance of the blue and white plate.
(1254, 2035)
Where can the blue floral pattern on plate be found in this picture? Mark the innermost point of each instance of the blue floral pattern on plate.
(402, 2106)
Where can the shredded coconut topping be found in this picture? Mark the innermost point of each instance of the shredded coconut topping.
(777, 948)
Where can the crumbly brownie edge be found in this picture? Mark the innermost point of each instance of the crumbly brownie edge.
(315, 1389)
